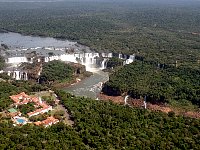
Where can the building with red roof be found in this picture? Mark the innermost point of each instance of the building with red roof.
(40, 111)
(48, 122)
(22, 99)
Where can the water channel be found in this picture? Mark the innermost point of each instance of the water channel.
(89, 87)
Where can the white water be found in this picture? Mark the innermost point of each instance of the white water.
(125, 99)
(103, 63)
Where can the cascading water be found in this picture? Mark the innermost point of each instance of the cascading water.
(120, 56)
(124, 62)
(130, 59)
(104, 63)
(125, 99)
(93, 61)
(90, 60)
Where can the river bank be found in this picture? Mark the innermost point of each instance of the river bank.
(16, 40)
(3, 31)
(75, 43)
(75, 79)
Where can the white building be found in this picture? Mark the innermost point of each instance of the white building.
(16, 60)
(40, 111)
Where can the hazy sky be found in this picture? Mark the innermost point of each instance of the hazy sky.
(92, 0)
(30, 0)
(120, 1)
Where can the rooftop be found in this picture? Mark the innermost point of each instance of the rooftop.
(49, 121)
(17, 98)
(21, 99)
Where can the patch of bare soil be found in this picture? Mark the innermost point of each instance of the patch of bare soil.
(192, 114)
(115, 99)
(153, 107)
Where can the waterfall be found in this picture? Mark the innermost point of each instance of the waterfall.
(91, 60)
(130, 59)
(145, 103)
(104, 63)
(9, 73)
(124, 62)
(120, 56)
(26, 76)
(125, 99)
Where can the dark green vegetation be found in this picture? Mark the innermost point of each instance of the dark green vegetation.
(49, 100)
(158, 30)
(103, 125)
(38, 118)
(159, 83)
(15, 87)
(114, 62)
(57, 71)
(2, 63)
(24, 109)
(5, 91)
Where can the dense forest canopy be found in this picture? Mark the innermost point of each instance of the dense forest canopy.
(166, 31)
(114, 62)
(160, 33)
(103, 125)
(57, 71)
(158, 83)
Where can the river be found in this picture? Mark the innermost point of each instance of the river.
(16, 40)
(89, 87)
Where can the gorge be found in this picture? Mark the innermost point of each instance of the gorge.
(27, 49)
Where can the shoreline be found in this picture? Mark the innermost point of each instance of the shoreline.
(75, 80)
(44, 36)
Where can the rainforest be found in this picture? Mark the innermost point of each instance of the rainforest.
(164, 38)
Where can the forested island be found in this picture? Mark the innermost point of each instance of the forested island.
(164, 36)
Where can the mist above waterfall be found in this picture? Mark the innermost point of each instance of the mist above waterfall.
(94, 61)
